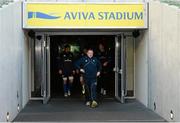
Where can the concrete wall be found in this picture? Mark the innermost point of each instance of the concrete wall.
(130, 63)
(13, 61)
(141, 68)
(164, 59)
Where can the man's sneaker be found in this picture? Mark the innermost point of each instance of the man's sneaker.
(94, 104)
(88, 103)
(104, 92)
(69, 93)
(65, 95)
(83, 90)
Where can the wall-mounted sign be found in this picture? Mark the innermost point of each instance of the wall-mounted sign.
(64, 15)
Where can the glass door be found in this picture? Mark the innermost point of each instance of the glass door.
(40, 68)
(36, 68)
(46, 69)
(120, 68)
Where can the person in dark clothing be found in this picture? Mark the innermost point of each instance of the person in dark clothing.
(90, 67)
(66, 69)
(105, 60)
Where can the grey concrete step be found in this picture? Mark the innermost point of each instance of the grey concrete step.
(70, 110)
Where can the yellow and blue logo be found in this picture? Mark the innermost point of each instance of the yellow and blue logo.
(41, 15)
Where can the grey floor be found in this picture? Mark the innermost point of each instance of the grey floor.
(109, 110)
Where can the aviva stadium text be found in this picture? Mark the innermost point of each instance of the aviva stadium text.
(103, 16)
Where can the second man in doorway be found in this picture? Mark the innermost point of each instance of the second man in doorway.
(105, 59)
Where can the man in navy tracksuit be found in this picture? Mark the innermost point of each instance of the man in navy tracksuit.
(91, 67)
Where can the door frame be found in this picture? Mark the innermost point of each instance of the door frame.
(31, 68)
(48, 34)
(47, 64)
(120, 68)
(46, 68)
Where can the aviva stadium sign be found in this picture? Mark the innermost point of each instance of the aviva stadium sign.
(80, 15)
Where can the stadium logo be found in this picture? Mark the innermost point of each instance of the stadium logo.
(41, 15)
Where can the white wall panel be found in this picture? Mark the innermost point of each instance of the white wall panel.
(164, 59)
(13, 62)
(155, 54)
(178, 73)
(2, 88)
(141, 68)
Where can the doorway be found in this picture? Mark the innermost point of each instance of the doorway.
(77, 44)
(47, 48)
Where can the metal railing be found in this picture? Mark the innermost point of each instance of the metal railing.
(172, 2)
(5, 2)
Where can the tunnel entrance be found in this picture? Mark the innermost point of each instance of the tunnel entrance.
(47, 25)
(77, 44)
(46, 48)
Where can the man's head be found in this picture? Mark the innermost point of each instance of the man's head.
(67, 48)
(101, 47)
(90, 53)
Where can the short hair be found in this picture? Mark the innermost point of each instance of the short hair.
(90, 49)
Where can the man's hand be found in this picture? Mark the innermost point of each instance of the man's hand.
(98, 73)
(60, 72)
(82, 71)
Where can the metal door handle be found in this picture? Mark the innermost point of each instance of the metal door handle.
(120, 71)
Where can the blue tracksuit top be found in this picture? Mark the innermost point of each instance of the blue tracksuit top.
(90, 65)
